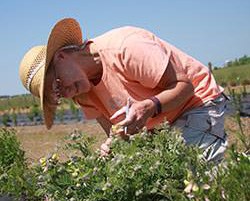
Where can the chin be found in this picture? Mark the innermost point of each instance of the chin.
(79, 95)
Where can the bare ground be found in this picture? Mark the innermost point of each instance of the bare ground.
(39, 142)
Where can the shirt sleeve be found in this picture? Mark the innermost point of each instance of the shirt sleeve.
(145, 60)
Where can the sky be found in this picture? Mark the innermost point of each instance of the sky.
(210, 31)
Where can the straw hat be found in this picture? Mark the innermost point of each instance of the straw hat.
(36, 61)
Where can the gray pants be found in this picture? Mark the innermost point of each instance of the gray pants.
(204, 126)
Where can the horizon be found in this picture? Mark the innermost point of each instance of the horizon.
(214, 31)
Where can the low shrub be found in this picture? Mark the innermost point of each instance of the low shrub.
(150, 166)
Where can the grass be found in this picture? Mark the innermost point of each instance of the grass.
(233, 76)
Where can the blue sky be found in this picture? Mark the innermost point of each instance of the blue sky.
(214, 30)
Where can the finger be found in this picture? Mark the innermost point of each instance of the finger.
(118, 113)
(108, 141)
(134, 127)
(127, 121)
(103, 153)
(105, 148)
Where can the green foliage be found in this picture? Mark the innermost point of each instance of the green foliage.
(6, 119)
(60, 114)
(14, 118)
(15, 178)
(74, 110)
(149, 166)
(236, 180)
(34, 113)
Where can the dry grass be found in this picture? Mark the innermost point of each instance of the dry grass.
(232, 128)
(38, 142)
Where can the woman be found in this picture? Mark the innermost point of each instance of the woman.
(128, 63)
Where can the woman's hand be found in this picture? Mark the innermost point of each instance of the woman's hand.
(136, 118)
(105, 147)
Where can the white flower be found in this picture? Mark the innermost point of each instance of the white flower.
(137, 167)
(139, 192)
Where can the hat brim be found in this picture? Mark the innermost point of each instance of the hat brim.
(65, 32)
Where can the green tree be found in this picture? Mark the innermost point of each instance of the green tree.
(6, 119)
(34, 113)
(74, 110)
(14, 118)
(60, 114)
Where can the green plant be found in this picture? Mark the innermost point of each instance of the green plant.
(34, 113)
(146, 167)
(15, 178)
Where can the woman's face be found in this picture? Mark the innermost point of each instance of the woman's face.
(66, 78)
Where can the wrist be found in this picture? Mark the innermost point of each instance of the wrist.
(157, 106)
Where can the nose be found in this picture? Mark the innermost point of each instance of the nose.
(69, 92)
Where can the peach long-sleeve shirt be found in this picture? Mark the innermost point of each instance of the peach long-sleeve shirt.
(134, 61)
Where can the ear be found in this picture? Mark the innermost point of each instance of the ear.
(59, 56)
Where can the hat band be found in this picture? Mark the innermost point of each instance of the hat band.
(32, 73)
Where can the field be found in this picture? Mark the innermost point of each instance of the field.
(233, 76)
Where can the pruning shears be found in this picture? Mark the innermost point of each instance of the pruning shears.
(126, 114)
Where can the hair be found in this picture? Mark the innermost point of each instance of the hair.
(71, 48)
(75, 48)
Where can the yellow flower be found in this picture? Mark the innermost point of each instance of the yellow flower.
(54, 157)
(43, 161)
(195, 187)
(186, 182)
(115, 128)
